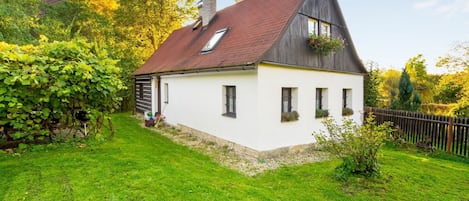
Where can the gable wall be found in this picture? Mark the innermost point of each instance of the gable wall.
(292, 48)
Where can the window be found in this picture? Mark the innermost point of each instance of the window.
(289, 104)
(229, 100)
(347, 98)
(166, 93)
(313, 26)
(286, 100)
(214, 40)
(325, 29)
(140, 91)
(321, 103)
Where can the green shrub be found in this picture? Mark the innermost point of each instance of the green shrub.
(357, 145)
(290, 116)
(322, 113)
(45, 86)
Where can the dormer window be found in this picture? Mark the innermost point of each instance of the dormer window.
(212, 43)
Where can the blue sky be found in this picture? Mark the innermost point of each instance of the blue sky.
(390, 32)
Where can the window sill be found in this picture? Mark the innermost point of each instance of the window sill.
(290, 121)
(231, 115)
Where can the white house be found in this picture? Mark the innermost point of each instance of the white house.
(243, 73)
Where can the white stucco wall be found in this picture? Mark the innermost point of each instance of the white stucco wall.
(196, 101)
(270, 81)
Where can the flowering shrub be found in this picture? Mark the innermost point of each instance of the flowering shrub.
(325, 44)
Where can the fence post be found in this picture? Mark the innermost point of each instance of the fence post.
(450, 135)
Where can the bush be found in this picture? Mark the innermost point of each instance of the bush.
(357, 145)
(44, 87)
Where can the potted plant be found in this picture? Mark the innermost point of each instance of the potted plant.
(325, 44)
(290, 116)
(320, 113)
(347, 111)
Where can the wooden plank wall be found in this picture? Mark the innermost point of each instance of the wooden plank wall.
(449, 134)
(143, 104)
(293, 49)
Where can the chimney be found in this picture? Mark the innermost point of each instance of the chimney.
(207, 10)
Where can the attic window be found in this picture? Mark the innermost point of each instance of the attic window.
(214, 40)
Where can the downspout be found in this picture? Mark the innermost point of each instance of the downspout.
(159, 94)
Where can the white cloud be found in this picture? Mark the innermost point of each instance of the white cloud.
(444, 7)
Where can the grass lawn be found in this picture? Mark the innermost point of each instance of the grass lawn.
(139, 164)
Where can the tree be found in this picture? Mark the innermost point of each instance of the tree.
(450, 88)
(416, 68)
(372, 82)
(388, 86)
(407, 99)
(18, 24)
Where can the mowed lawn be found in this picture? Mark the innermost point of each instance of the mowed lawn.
(139, 164)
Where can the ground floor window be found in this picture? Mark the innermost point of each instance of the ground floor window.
(229, 101)
(289, 104)
(321, 103)
(347, 102)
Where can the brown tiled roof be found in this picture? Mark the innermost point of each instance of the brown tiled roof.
(254, 26)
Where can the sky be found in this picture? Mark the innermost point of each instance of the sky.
(393, 31)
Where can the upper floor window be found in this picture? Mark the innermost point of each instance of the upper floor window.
(313, 27)
(214, 40)
(229, 100)
(325, 29)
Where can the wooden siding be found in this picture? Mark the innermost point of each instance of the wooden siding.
(292, 48)
(143, 104)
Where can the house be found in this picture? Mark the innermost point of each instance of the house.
(244, 73)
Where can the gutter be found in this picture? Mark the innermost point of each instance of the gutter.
(311, 68)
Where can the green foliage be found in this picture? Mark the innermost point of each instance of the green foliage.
(357, 145)
(325, 44)
(290, 116)
(389, 81)
(407, 99)
(437, 109)
(18, 22)
(450, 88)
(320, 113)
(372, 82)
(417, 70)
(47, 84)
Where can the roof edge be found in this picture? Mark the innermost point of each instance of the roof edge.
(205, 70)
(311, 68)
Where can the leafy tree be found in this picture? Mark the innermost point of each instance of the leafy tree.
(388, 86)
(372, 82)
(450, 88)
(18, 22)
(458, 61)
(417, 70)
(407, 99)
(357, 145)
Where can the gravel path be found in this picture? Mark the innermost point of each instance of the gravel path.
(242, 159)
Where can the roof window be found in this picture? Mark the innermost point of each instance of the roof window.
(214, 40)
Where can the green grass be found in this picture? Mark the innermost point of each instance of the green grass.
(142, 165)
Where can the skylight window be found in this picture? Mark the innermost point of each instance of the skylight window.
(214, 40)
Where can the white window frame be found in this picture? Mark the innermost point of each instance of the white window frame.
(166, 93)
(292, 102)
(347, 98)
(321, 102)
(325, 29)
(313, 26)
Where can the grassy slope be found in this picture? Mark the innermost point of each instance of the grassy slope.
(142, 165)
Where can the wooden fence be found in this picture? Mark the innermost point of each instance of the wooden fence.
(450, 134)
